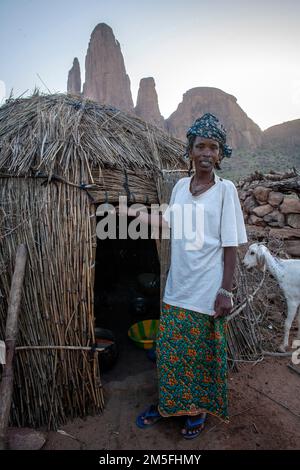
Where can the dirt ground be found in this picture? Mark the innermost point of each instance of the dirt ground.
(264, 411)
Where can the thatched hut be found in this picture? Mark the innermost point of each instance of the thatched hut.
(60, 156)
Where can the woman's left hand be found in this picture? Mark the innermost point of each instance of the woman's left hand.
(223, 306)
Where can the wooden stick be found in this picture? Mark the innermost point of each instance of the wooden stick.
(294, 369)
(275, 401)
(6, 386)
(250, 298)
(277, 354)
(74, 348)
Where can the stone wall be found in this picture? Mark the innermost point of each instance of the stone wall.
(269, 212)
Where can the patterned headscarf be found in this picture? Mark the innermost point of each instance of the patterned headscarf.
(209, 127)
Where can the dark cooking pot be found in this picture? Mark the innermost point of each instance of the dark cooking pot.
(139, 305)
(106, 340)
(149, 283)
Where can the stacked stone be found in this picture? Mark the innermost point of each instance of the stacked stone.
(273, 214)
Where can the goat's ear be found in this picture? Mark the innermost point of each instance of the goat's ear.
(260, 259)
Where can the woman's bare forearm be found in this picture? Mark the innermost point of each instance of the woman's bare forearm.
(229, 266)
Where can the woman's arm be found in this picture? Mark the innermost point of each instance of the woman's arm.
(223, 304)
(229, 266)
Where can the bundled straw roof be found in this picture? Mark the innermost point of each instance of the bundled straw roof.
(51, 133)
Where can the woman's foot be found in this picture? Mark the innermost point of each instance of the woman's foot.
(193, 426)
(149, 417)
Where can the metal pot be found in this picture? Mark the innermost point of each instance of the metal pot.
(139, 306)
(149, 283)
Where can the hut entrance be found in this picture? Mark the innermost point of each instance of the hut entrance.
(126, 291)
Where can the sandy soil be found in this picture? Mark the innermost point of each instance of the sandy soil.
(264, 410)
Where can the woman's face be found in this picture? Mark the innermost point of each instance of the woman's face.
(205, 153)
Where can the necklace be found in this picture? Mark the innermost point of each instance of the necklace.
(199, 188)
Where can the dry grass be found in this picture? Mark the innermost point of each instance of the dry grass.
(52, 133)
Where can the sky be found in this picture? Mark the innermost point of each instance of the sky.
(249, 49)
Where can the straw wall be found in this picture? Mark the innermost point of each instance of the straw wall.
(57, 223)
(138, 186)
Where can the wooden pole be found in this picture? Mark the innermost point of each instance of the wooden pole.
(11, 332)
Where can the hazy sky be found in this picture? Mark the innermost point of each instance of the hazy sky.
(246, 48)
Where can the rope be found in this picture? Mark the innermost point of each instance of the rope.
(126, 186)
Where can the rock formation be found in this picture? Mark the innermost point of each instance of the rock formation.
(285, 136)
(74, 78)
(147, 103)
(106, 80)
(242, 131)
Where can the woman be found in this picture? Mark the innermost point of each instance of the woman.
(191, 345)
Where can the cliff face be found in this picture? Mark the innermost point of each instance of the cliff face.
(286, 134)
(147, 103)
(106, 80)
(242, 131)
(74, 78)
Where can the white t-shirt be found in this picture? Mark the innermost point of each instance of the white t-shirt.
(200, 227)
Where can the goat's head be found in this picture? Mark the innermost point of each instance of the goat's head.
(255, 256)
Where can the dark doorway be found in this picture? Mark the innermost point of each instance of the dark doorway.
(122, 297)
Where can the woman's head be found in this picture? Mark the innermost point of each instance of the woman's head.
(196, 145)
(204, 154)
(208, 128)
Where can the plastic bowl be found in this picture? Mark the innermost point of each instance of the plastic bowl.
(144, 333)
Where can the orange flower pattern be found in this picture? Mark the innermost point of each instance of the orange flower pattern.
(191, 363)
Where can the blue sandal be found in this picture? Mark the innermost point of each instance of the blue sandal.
(150, 413)
(191, 428)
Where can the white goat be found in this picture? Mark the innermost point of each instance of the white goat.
(287, 273)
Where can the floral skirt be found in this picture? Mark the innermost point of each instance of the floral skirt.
(191, 363)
